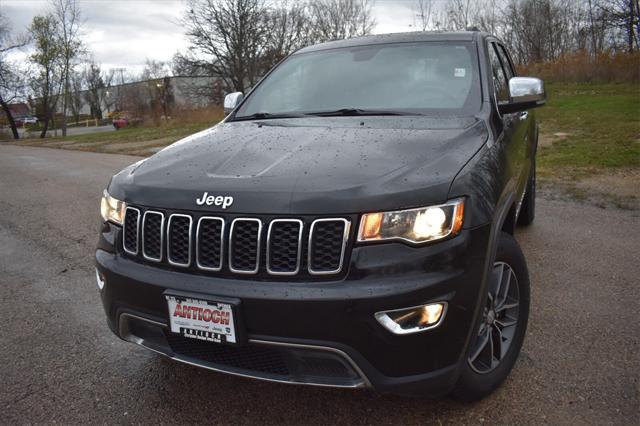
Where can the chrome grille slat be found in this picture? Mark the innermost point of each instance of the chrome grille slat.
(241, 240)
(127, 230)
(204, 255)
(176, 255)
(149, 236)
(324, 268)
(283, 255)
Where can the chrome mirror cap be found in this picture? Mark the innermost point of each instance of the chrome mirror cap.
(524, 93)
(231, 101)
(527, 89)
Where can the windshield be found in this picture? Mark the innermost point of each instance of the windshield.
(412, 78)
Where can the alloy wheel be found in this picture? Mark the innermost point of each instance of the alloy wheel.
(499, 320)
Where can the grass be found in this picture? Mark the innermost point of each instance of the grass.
(589, 147)
(589, 128)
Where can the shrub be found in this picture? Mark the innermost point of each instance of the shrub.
(582, 67)
(188, 116)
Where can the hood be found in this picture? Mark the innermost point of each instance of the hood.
(307, 166)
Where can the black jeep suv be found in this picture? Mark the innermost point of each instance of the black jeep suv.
(349, 224)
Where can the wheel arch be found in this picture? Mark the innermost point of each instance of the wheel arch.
(504, 217)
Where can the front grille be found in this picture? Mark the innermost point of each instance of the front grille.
(152, 235)
(131, 224)
(283, 246)
(326, 246)
(227, 246)
(244, 246)
(209, 243)
(179, 240)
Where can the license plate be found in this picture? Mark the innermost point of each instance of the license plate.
(201, 319)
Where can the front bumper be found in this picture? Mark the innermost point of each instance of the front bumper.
(300, 323)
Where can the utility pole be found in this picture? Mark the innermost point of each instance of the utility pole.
(118, 98)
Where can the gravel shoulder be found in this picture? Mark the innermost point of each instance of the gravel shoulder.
(60, 363)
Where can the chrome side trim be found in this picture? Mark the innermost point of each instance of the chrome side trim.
(243, 271)
(336, 351)
(208, 268)
(172, 262)
(298, 256)
(144, 219)
(345, 238)
(124, 232)
(189, 361)
(125, 333)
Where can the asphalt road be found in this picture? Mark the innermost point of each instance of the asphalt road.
(60, 363)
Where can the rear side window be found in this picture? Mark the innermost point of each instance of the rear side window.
(506, 63)
(499, 77)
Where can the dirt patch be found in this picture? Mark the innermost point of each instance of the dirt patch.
(622, 183)
(615, 188)
(548, 139)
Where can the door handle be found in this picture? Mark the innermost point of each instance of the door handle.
(524, 115)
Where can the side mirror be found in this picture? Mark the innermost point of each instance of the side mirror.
(524, 93)
(231, 101)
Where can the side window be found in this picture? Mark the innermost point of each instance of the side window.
(499, 78)
(506, 63)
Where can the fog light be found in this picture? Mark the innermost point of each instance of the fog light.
(100, 280)
(412, 320)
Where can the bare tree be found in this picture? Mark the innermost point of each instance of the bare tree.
(158, 83)
(488, 16)
(154, 70)
(118, 77)
(96, 89)
(462, 14)
(340, 19)
(202, 85)
(623, 15)
(228, 39)
(598, 21)
(133, 100)
(76, 100)
(67, 14)
(12, 83)
(290, 29)
(46, 82)
(422, 11)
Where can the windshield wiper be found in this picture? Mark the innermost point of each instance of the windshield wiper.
(266, 115)
(346, 112)
(343, 112)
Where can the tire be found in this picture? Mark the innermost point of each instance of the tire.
(480, 377)
(528, 209)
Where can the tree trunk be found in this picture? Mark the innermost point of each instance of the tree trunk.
(594, 46)
(63, 125)
(12, 122)
(45, 127)
(631, 13)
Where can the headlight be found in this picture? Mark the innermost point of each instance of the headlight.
(415, 225)
(112, 210)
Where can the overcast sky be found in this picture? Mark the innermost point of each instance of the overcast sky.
(124, 33)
